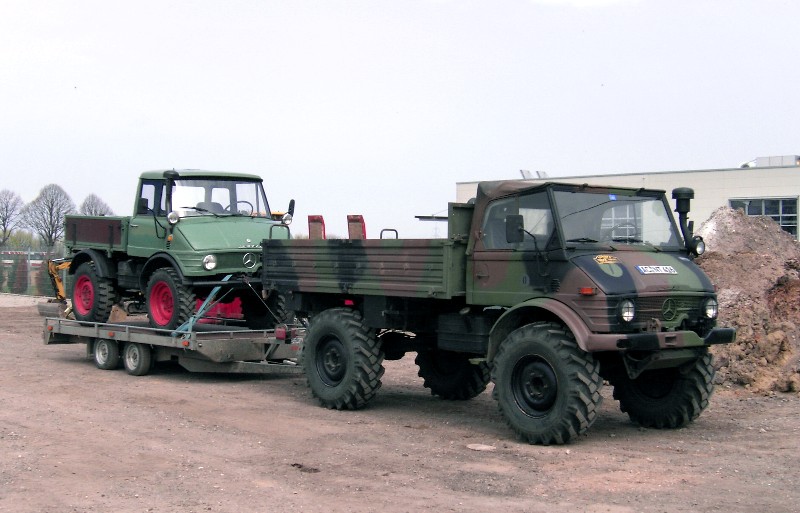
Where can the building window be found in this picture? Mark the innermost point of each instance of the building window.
(782, 210)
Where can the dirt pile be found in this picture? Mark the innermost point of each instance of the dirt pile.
(756, 268)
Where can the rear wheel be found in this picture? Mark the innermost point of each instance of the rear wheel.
(106, 354)
(342, 359)
(265, 314)
(667, 398)
(170, 303)
(546, 387)
(137, 359)
(450, 375)
(92, 296)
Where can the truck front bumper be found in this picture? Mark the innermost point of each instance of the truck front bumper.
(657, 340)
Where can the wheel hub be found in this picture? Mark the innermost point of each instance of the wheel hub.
(332, 362)
(535, 386)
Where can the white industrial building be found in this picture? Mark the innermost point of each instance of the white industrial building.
(768, 186)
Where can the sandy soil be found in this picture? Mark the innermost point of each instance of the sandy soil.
(77, 439)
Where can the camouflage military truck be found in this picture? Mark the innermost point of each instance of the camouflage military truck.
(546, 290)
(190, 232)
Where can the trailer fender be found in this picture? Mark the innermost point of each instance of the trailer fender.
(536, 310)
(102, 263)
(158, 261)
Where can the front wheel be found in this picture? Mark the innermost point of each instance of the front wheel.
(451, 375)
(667, 398)
(342, 359)
(170, 303)
(546, 387)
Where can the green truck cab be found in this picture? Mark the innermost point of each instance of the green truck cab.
(190, 231)
(547, 290)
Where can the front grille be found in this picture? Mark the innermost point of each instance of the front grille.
(668, 308)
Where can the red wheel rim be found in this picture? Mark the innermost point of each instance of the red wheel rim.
(83, 297)
(162, 303)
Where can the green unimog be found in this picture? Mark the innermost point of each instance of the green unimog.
(547, 290)
(190, 232)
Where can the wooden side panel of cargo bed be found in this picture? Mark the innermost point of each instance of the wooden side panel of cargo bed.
(432, 268)
(97, 232)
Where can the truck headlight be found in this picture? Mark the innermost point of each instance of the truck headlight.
(626, 310)
(209, 262)
(710, 308)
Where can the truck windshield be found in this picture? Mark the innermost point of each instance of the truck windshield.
(205, 196)
(603, 217)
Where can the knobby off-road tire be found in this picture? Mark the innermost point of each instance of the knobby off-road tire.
(137, 359)
(106, 354)
(667, 398)
(342, 359)
(260, 316)
(169, 302)
(546, 387)
(92, 296)
(450, 375)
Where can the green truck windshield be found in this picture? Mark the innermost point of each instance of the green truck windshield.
(608, 217)
(193, 197)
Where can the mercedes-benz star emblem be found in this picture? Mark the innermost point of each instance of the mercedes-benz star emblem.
(249, 260)
(669, 310)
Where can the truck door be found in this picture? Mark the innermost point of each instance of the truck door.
(148, 226)
(506, 273)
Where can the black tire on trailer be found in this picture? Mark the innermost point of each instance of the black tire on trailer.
(342, 359)
(266, 314)
(451, 375)
(137, 358)
(546, 387)
(92, 296)
(667, 398)
(170, 303)
(106, 354)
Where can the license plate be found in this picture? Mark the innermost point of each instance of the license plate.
(656, 269)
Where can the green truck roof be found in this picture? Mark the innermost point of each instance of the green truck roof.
(199, 173)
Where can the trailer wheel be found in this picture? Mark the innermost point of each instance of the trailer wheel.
(106, 354)
(342, 359)
(546, 387)
(169, 302)
(137, 359)
(92, 296)
(450, 375)
(666, 398)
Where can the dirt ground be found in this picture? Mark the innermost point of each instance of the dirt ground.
(74, 438)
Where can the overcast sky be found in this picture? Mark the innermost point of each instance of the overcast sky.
(379, 107)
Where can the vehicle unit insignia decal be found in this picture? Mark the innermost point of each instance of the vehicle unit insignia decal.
(605, 259)
(656, 269)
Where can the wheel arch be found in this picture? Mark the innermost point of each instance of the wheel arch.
(102, 263)
(159, 261)
(536, 310)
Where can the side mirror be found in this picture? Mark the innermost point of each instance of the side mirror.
(515, 229)
(291, 208)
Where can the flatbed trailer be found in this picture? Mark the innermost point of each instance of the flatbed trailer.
(203, 348)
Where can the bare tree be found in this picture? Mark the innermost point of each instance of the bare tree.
(45, 214)
(10, 209)
(94, 206)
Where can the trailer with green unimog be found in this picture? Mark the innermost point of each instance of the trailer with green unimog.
(546, 290)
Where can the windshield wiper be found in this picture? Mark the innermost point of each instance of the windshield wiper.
(583, 239)
(204, 211)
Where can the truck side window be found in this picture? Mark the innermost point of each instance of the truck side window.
(537, 219)
(150, 195)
